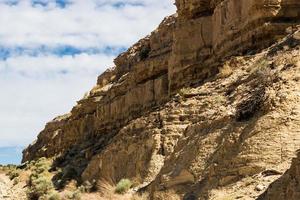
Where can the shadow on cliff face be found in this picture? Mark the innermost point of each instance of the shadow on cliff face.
(72, 163)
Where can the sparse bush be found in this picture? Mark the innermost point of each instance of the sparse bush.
(16, 181)
(76, 195)
(259, 67)
(54, 196)
(14, 173)
(123, 186)
(262, 68)
(263, 72)
(42, 165)
(184, 91)
(250, 106)
(225, 71)
(40, 184)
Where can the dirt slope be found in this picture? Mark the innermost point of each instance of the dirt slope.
(10, 190)
(4, 185)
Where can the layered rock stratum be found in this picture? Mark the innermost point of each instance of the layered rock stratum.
(205, 107)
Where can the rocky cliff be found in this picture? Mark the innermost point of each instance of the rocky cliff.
(206, 106)
(287, 186)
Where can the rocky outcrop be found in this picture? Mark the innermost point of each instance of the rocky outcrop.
(287, 186)
(174, 55)
(137, 83)
(199, 107)
(208, 31)
(243, 129)
(234, 134)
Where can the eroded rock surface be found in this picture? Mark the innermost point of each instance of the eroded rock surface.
(204, 107)
(287, 186)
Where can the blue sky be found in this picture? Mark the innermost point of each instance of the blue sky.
(10, 155)
(51, 52)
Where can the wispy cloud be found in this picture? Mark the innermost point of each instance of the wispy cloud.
(51, 52)
(7, 52)
(83, 23)
(48, 66)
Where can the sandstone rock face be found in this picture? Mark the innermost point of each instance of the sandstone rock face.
(193, 8)
(197, 107)
(232, 134)
(178, 53)
(208, 31)
(287, 186)
(138, 82)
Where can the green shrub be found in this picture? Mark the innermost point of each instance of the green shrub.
(54, 196)
(40, 186)
(13, 174)
(123, 186)
(76, 195)
(225, 71)
(42, 165)
(40, 183)
(184, 92)
(262, 67)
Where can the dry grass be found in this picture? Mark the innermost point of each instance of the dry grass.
(225, 71)
(170, 195)
(184, 91)
(40, 184)
(107, 192)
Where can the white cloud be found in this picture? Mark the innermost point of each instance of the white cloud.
(27, 104)
(36, 88)
(44, 66)
(81, 24)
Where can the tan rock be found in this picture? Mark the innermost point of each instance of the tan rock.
(162, 118)
(184, 177)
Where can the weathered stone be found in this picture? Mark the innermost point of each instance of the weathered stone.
(131, 125)
(260, 187)
(193, 8)
(287, 186)
(184, 177)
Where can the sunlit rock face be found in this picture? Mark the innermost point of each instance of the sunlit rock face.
(208, 31)
(287, 186)
(189, 9)
(240, 118)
